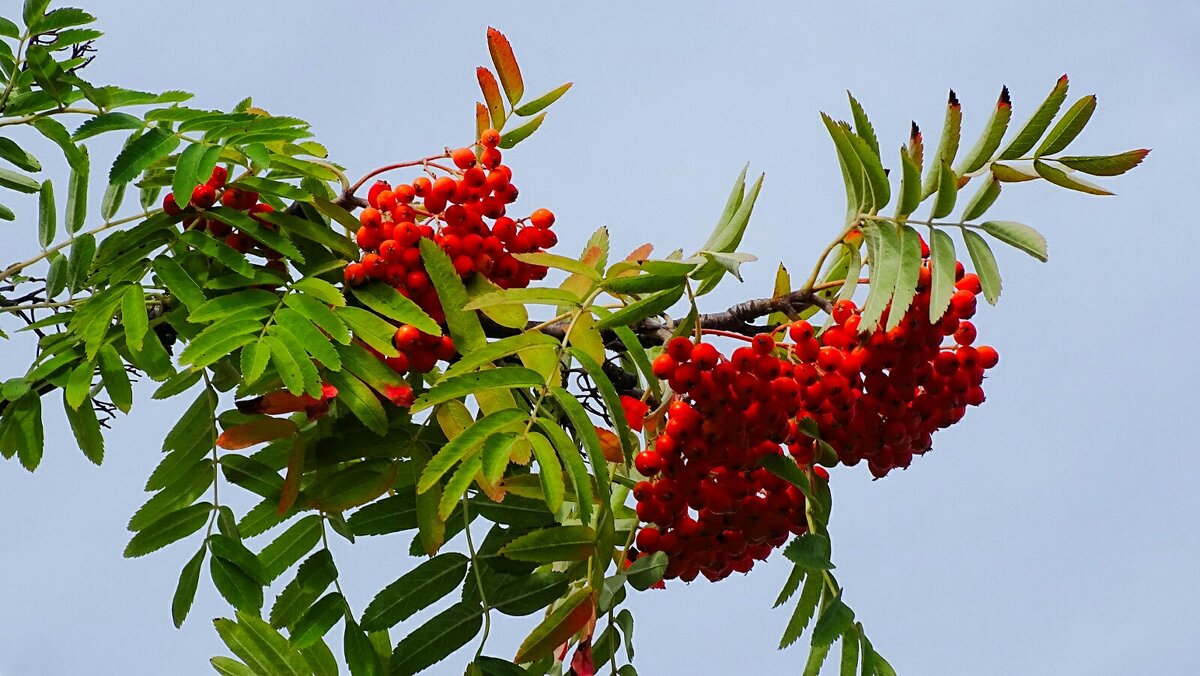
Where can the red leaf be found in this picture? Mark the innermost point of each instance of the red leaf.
(291, 483)
(582, 663)
(640, 254)
(506, 65)
(255, 432)
(491, 94)
(610, 443)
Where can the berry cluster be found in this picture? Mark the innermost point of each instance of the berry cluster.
(453, 211)
(205, 195)
(876, 396)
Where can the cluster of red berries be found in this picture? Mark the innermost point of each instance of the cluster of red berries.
(453, 211)
(205, 195)
(875, 396)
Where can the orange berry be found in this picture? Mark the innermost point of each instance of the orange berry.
(464, 158)
(542, 218)
(490, 138)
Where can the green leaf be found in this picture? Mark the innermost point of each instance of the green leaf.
(647, 570)
(299, 330)
(907, 275)
(252, 475)
(850, 652)
(58, 19)
(1038, 122)
(910, 184)
(147, 149)
(983, 199)
(835, 619)
(48, 73)
(883, 247)
(116, 379)
(56, 276)
(187, 173)
(498, 349)
(585, 431)
(1019, 235)
(542, 102)
(46, 214)
(947, 191)
(9, 29)
(218, 340)
(170, 528)
(877, 180)
(318, 620)
(367, 367)
(54, 131)
(312, 579)
(19, 182)
(985, 265)
(612, 402)
(185, 591)
(360, 400)
(321, 290)
(393, 514)
(107, 122)
(557, 543)
(178, 282)
(287, 549)
(458, 386)
(6, 214)
(370, 328)
(233, 551)
(180, 493)
(857, 192)
(234, 304)
(1105, 165)
(433, 641)
(942, 268)
(650, 306)
(111, 202)
(461, 446)
(273, 239)
(535, 296)
(77, 188)
(1065, 180)
(134, 317)
(235, 585)
(790, 587)
(318, 233)
(218, 251)
(9, 150)
(947, 146)
(86, 428)
(1068, 127)
(993, 132)
(267, 186)
(320, 314)
(463, 324)
(415, 590)
(529, 593)
(1007, 174)
(862, 125)
(390, 303)
(514, 136)
(550, 478)
(195, 425)
(810, 595)
(816, 660)
(581, 479)
(361, 655)
(810, 552)
(260, 646)
(562, 622)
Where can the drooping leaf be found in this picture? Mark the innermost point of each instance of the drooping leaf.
(810, 552)
(491, 94)
(185, 590)
(155, 144)
(86, 429)
(810, 595)
(1061, 178)
(985, 265)
(77, 190)
(942, 268)
(46, 214)
(567, 618)
(907, 275)
(260, 646)
(318, 620)
(463, 324)
(1018, 235)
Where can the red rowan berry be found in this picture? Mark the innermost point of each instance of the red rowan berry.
(542, 218)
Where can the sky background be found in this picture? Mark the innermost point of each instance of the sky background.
(1053, 531)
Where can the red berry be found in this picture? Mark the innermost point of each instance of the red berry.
(463, 158)
(542, 218)
(490, 138)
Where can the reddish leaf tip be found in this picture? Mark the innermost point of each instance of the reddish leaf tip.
(954, 100)
(1005, 99)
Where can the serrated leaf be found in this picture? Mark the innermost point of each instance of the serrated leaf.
(853, 176)
(415, 590)
(360, 400)
(983, 199)
(260, 646)
(54, 131)
(514, 136)
(77, 189)
(180, 493)
(318, 620)
(186, 176)
(558, 543)
(650, 306)
(491, 95)
(168, 529)
(506, 377)
(535, 296)
(178, 282)
(542, 102)
(390, 515)
(355, 485)
(218, 340)
(463, 324)
(581, 479)
(290, 546)
(106, 122)
(1105, 165)
(1018, 235)
(312, 578)
(942, 268)
(19, 182)
(147, 149)
(1038, 122)
(810, 552)
(390, 303)
(862, 125)
(910, 184)
(985, 265)
(116, 379)
(463, 445)
(993, 133)
(433, 641)
(318, 233)
(835, 619)
(21, 158)
(134, 317)
(810, 595)
(1065, 180)
(647, 571)
(218, 251)
(567, 618)
(111, 202)
(550, 477)
(274, 239)
(947, 191)
(947, 146)
(1068, 127)
(883, 247)
(185, 590)
(46, 214)
(907, 275)
(496, 350)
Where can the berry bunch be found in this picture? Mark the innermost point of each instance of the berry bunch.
(876, 396)
(453, 211)
(206, 195)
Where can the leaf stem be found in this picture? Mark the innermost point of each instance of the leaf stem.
(17, 267)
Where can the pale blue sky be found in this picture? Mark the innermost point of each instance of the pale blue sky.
(1053, 531)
